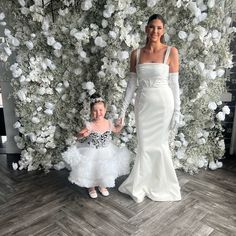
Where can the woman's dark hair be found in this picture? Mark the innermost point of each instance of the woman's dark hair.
(157, 17)
(95, 98)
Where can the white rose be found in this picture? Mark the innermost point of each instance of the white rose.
(78, 71)
(45, 25)
(64, 97)
(83, 54)
(104, 23)
(220, 116)
(49, 105)
(219, 164)
(59, 166)
(178, 144)
(221, 144)
(14, 41)
(86, 5)
(112, 34)
(50, 41)
(101, 74)
(92, 91)
(211, 3)
(8, 51)
(21, 95)
(35, 120)
(25, 10)
(182, 35)
(211, 75)
(100, 42)
(90, 85)
(201, 66)
(152, 3)
(219, 103)
(48, 112)
(14, 166)
(212, 165)
(7, 32)
(41, 151)
(220, 72)
(215, 34)
(57, 53)
(2, 16)
(108, 11)
(29, 45)
(57, 46)
(201, 141)
(191, 37)
(226, 110)
(123, 55)
(17, 125)
(66, 84)
(201, 163)
(32, 137)
(202, 17)
(212, 106)
(227, 21)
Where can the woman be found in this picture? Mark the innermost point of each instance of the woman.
(157, 109)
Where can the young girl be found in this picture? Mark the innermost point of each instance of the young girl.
(95, 160)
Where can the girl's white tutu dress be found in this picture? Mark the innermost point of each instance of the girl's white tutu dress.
(96, 161)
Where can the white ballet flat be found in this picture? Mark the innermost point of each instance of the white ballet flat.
(93, 194)
(104, 192)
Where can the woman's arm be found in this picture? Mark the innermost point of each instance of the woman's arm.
(118, 126)
(133, 61)
(174, 85)
(131, 85)
(174, 60)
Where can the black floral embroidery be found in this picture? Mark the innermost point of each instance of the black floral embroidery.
(99, 140)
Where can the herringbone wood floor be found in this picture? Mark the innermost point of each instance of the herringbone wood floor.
(36, 203)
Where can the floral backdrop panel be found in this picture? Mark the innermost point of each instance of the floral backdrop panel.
(66, 50)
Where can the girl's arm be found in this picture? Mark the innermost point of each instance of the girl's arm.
(83, 133)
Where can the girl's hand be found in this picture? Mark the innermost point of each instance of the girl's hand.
(83, 133)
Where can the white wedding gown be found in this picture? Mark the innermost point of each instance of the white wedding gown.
(153, 173)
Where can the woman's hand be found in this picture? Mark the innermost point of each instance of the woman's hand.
(119, 124)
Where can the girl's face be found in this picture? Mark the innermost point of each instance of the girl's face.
(154, 30)
(98, 111)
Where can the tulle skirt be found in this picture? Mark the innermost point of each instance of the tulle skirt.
(92, 166)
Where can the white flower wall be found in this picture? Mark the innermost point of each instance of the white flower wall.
(67, 50)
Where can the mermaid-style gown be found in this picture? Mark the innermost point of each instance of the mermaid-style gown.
(153, 173)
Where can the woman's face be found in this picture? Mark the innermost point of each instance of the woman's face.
(154, 30)
(98, 111)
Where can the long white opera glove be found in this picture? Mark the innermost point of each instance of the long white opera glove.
(174, 85)
(129, 93)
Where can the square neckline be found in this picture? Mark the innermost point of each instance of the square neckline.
(166, 55)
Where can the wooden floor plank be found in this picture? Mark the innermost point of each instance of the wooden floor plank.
(35, 203)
